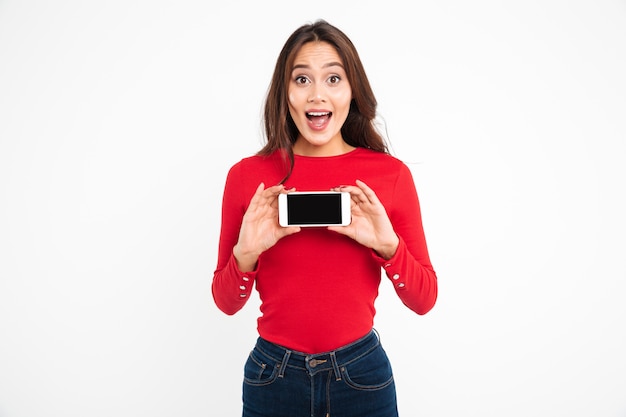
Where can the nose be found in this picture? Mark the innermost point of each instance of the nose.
(316, 95)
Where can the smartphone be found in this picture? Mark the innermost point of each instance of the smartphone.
(314, 209)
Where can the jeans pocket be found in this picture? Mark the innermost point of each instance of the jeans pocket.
(259, 369)
(370, 372)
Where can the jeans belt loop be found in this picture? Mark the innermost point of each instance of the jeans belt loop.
(283, 365)
(333, 360)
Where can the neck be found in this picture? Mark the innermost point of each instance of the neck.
(304, 148)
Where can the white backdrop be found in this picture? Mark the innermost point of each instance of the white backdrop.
(119, 120)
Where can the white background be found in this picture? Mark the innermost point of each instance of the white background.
(119, 120)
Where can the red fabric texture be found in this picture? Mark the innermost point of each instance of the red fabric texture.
(317, 288)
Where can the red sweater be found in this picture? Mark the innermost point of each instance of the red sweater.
(317, 288)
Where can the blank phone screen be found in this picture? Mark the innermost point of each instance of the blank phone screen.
(314, 209)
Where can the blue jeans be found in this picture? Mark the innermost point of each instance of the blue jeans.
(353, 381)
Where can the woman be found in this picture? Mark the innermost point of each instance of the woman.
(317, 353)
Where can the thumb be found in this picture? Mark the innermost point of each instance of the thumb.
(286, 231)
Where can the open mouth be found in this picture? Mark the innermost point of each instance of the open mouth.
(318, 119)
(314, 114)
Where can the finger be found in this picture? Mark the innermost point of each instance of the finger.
(343, 230)
(340, 188)
(259, 188)
(263, 197)
(268, 196)
(359, 196)
(356, 194)
(358, 205)
(368, 192)
(286, 231)
(274, 190)
(277, 190)
(257, 194)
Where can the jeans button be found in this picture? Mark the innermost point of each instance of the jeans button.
(314, 362)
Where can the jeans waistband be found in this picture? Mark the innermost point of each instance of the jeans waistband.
(320, 361)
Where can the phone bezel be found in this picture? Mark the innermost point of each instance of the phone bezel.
(283, 217)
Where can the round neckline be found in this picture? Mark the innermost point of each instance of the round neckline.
(329, 157)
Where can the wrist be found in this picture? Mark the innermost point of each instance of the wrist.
(388, 250)
(246, 260)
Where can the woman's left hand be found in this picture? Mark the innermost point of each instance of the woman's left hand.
(370, 224)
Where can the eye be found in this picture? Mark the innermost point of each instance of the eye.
(334, 79)
(301, 80)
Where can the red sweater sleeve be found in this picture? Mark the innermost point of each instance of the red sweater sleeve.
(231, 288)
(410, 269)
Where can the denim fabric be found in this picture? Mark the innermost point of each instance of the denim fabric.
(353, 381)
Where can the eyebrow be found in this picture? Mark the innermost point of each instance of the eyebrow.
(328, 65)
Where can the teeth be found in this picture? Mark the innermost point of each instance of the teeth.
(317, 114)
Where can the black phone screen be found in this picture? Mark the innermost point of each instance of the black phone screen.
(313, 209)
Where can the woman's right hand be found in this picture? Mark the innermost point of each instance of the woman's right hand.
(259, 228)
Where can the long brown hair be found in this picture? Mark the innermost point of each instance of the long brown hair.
(358, 130)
